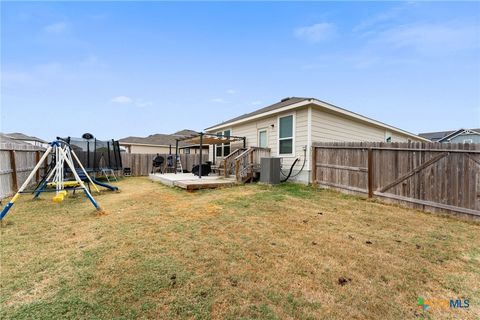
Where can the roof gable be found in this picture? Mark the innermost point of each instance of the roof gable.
(441, 135)
(459, 132)
(297, 102)
(283, 103)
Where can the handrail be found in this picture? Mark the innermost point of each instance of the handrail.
(245, 162)
(231, 153)
(226, 161)
(249, 150)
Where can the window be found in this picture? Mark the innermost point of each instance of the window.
(262, 138)
(467, 140)
(285, 135)
(388, 136)
(223, 149)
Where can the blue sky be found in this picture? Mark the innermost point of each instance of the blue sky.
(117, 69)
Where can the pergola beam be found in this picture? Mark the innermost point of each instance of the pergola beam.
(208, 139)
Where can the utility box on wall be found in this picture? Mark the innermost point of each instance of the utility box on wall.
(270, 170)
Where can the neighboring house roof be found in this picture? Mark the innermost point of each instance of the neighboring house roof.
(185, 132)
(443, 135)
(153, 140)
(457, 133)
(21, 136)
(8, 142)
(297, 102)
(159, 139)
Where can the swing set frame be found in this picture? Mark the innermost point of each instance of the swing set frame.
(62, 153)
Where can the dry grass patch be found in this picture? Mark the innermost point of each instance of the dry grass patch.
(286, 252)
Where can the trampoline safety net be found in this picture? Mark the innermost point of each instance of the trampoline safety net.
(96, 155)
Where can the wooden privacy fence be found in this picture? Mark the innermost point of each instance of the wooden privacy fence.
(16, 163)
(428, 176)
(141, 164)
(15, 166)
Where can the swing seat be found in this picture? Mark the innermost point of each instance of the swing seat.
(66, 184)
(58, 198)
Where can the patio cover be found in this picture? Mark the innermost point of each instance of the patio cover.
(206, 138)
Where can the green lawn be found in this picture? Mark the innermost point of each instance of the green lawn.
(247, 252)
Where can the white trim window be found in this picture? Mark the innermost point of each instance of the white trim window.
(286, 135)
(388, 136)
(263, 138)
(223, 149)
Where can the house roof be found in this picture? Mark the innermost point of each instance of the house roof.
(8, 142)
(185, 132)
(22, 136)
(440, 135)
(283, 103)
(297, 102)
(159, 139)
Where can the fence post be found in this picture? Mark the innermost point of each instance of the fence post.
(370, 172)
(13, 165)
(237, 167)
(225, 174)
(314, 165)
(37, 158)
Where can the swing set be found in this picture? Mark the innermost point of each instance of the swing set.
(54, 179)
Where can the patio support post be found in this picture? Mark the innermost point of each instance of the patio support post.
(214, 151)
(244, 142)
(200, 162)
(176, 154)
(170, 149)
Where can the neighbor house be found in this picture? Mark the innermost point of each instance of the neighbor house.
(160, 143)
(458, 136)
(291, 126)
(21, 137)
(8, 143)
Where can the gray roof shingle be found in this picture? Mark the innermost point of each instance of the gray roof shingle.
(435, 136)
(283, 103)
(160, 139)
(22, 136)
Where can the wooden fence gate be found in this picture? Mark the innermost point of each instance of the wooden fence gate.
(428, 176)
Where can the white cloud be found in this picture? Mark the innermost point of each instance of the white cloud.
(218, 100)
(429, 38)
(231, 91)
(316, 33)
(122, 100)
(16, 77)
(142, 103)
(57, 27)
(385, 17)
(125, 100)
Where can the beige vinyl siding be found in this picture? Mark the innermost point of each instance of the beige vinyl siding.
(398, 137)
(329, 127)
(250, 131)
